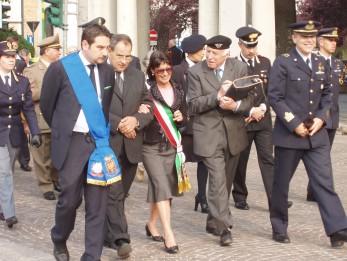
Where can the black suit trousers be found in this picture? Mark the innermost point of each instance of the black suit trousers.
(116, 226)
(318, 166)
(72, 179)
(263, 144)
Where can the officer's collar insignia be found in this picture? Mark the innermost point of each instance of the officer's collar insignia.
(288, 116)
(218, 45)
(295, 60)
(286, 55)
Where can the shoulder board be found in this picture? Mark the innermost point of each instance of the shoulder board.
(286, 55)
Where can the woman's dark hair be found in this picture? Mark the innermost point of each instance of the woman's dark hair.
(156, 59)
(91, 32)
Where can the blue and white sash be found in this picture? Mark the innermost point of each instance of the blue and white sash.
(103, 166)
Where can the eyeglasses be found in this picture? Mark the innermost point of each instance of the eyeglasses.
(161, 71)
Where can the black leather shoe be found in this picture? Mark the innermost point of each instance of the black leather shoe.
(26, 168)
(61, 253)
(213, 231)
(2, 218)
(154, 238)
(242, 205)
(225, 238)
(171, 250)
(290, 203)
(11, 221)
(335, 243)
(281, 238)
(338, 238)
(123, 248)
(49, 195)
(203, 204)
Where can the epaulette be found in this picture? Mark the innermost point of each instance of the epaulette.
(286, 55)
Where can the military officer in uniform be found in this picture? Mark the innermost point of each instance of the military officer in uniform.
(327, 39)
(15, 98)
(46, 174)
(259, 126)
(300, 94)
(219, 133)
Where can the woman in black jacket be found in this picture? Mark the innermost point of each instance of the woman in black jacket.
(159, 152)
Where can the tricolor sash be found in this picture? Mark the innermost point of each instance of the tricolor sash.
(103, 166)
(164, 116)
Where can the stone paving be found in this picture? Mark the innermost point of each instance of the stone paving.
(30, 239)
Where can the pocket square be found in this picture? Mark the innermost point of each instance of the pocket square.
(107, 87)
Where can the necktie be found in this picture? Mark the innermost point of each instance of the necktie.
(328, 63)
(308, 62)
(119, 82)
(250, 63)
(92, 74)
(219, 74)
(7, 83)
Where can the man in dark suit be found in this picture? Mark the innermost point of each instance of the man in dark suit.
(258, 120)
(219, 133)
(327, 39)
(72, 143)
(127, 123)
(15, 98)
(193, 47)
(300, 94)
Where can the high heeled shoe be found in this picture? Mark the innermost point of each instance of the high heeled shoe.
(154, 238)
(172, 249)
(203, 204)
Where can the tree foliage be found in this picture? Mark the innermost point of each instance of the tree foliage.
(171, 17)
(4, 33)
(329, 12)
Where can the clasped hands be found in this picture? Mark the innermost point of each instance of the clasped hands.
(303, 132)
(127, 125)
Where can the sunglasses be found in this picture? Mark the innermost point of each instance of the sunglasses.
(161, 71)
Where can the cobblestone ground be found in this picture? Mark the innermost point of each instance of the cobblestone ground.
(30, 239)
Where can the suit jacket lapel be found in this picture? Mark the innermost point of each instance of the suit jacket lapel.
(228, 68)
(101, 80)
(126, 84)
(300, 63)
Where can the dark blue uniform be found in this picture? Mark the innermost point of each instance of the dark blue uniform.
(259, 132)
(335, 71)
(13, 101)
(296, 93)
(336, 74)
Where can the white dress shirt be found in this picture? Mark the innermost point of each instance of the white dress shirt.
(3, 77)
(81, 124)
